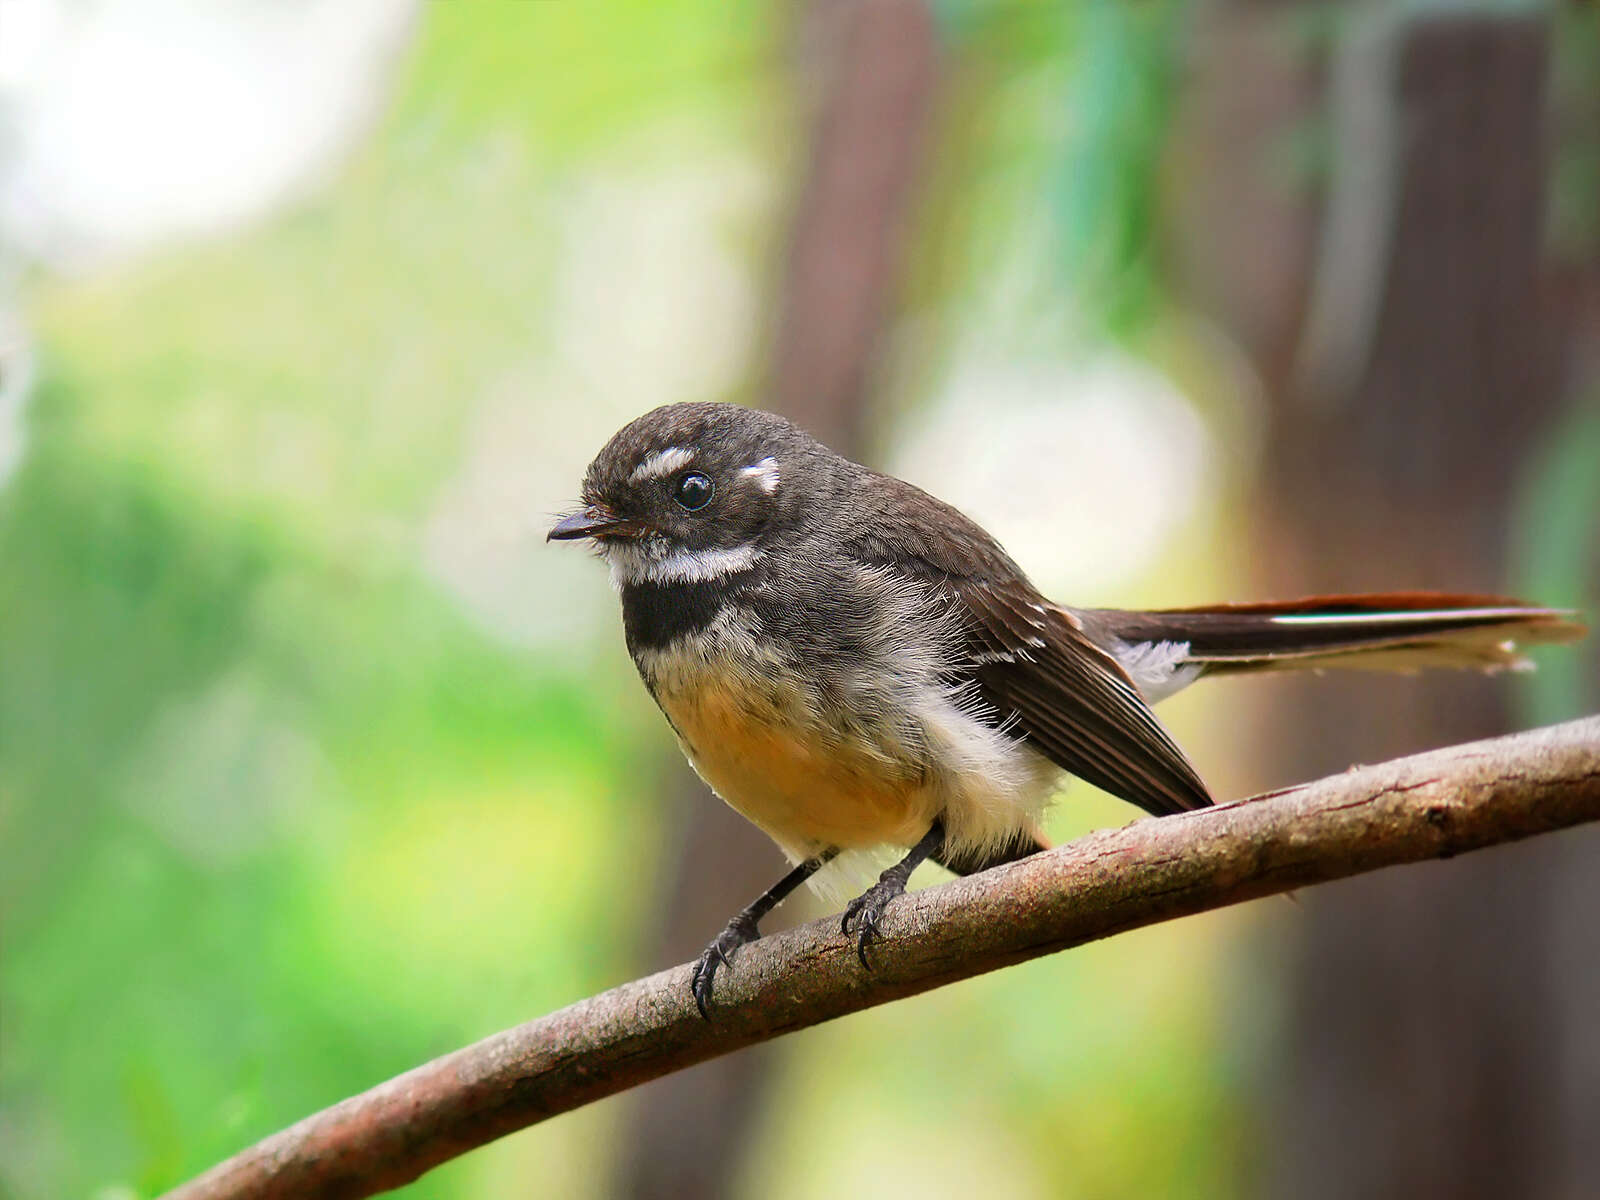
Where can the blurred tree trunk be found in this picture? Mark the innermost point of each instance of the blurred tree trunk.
(873, 69)
(1416, 354)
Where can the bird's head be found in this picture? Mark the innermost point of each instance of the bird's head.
(690, 492)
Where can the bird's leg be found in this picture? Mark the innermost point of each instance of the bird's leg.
(742, 929)
(867, 909)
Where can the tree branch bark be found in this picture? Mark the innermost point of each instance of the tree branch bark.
(1433, 805)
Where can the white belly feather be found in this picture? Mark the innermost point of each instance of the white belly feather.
(896, 751)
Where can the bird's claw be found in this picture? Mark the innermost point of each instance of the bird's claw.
(738, 933)
(866, 911)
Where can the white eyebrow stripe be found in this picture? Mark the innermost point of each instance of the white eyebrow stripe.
(661, 463)
(765, 473)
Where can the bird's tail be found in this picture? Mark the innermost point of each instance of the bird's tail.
(1398, 631)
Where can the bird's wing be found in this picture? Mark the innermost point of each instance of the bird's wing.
(1030, 660)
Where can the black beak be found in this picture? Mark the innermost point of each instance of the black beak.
(594, 521)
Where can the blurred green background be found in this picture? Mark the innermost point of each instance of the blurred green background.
(316, 762)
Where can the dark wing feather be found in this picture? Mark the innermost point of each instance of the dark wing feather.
(1072, 700)
(1031, 661)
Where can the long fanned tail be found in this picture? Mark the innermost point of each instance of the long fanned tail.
(1401, 631)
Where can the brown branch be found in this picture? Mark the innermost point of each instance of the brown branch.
(1431, 806)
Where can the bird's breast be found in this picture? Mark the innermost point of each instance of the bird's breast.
(810, 773)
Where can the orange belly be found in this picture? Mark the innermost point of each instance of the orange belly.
(761, 749)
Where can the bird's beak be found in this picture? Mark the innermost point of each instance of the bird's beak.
(592, 521)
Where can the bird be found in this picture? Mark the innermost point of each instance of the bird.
(853, 664)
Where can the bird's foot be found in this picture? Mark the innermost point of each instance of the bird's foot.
(740, 932)
(866, 910)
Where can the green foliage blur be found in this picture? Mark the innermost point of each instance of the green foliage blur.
(282, 816)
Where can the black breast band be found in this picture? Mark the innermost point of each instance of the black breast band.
(654, 615)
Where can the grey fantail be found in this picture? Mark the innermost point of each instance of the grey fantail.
(851, 663)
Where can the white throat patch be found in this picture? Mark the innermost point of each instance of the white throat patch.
(633, 564)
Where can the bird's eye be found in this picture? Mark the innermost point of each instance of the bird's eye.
(692, 491)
